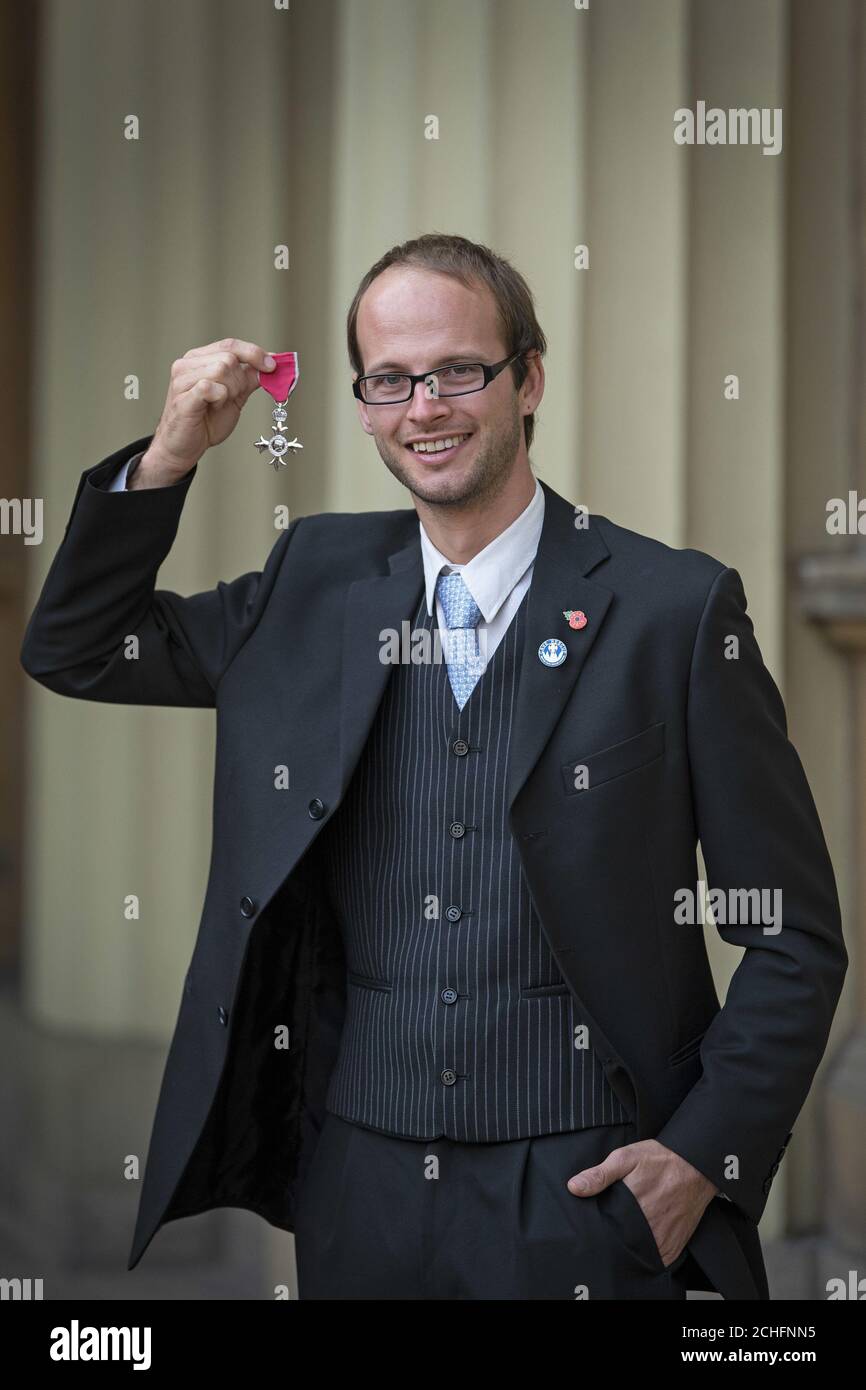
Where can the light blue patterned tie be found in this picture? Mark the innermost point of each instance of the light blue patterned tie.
(462, 616)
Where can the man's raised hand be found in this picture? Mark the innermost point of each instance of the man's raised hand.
(208, 389)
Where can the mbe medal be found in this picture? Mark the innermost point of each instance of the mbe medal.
(280, 383)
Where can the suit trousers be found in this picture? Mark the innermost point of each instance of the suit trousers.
(382, 1217)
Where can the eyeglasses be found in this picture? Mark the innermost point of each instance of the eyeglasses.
(459, 379)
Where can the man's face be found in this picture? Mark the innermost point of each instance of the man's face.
(413, 321)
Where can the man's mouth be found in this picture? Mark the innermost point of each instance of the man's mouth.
(438, 449)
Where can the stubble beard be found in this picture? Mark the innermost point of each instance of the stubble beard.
(485, 479)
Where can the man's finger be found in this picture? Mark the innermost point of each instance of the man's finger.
(244, 351)
(595, 1179)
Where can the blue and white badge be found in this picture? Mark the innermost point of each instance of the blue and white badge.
(552, 652)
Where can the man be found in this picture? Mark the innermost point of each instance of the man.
(507, 1072)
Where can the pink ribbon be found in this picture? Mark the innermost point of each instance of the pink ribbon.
(281, 382)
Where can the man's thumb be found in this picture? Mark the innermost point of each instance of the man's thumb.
(590, 1181)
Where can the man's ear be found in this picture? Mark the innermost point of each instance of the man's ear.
(536, 391)
(364, 417)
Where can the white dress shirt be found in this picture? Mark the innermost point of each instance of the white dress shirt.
(118, 482)
(497, 577)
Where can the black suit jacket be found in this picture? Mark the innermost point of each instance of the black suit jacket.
(679, 742)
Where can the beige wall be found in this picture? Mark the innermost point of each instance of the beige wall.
(556, 129)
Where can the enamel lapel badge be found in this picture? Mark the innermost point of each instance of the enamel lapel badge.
(552, 652)
(576, 617)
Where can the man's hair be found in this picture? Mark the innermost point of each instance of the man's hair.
(470, 263)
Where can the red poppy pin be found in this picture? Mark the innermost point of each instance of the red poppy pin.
(576, 617)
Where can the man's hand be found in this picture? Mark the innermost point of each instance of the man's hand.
(670, 1192)
(208, 389)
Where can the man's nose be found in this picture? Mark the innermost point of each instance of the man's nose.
(425, 405)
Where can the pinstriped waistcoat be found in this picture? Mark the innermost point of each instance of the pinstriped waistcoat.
(458, 1020)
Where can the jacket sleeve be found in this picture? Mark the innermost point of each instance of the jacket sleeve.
(100, 592)
(758, 828)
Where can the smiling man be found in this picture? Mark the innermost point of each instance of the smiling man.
(468, 493)
(509, 1074)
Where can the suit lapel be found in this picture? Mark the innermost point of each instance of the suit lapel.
(565, 555)
(373, 606)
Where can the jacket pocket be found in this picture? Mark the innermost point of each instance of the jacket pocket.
(687, 1050)
(544, 991)
(621, 1206)
(367, 982)
(615, 760)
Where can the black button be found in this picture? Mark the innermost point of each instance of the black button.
(457, 829)
(223, 1015)
(448, 996)
(248, 907)
(316, 809)
(453, 914)
(460, 747)
(448, 1077)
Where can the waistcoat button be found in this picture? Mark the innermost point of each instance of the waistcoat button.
(448, 1077)
(449, 996)
(453, 914)
(460, 747)
(457, 829)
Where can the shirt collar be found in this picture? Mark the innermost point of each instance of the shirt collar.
(493, 572)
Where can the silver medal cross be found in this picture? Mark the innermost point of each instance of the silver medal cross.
(278, 444)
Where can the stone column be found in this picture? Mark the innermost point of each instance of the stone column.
(831, 593)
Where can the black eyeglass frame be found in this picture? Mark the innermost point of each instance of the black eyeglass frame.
(490, 373)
